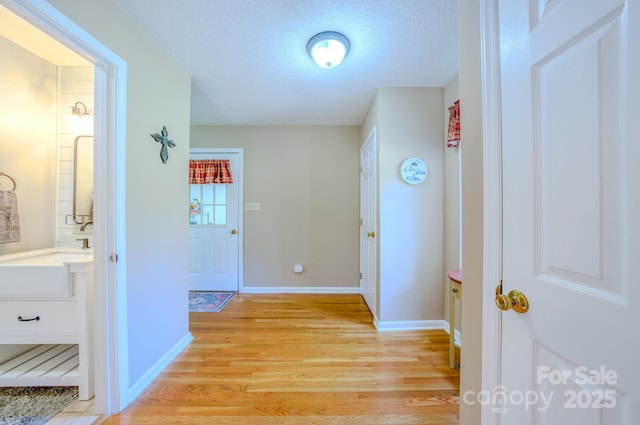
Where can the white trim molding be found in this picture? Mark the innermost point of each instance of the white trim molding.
(492, 203)
(155, 370)
(410, 325)
(300, 290)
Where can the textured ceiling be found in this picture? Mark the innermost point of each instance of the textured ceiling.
(249, 65)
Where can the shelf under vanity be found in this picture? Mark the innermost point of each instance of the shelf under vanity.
(43, 365)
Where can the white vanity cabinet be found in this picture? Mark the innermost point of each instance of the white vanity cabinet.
(59, 331)
(39, 319)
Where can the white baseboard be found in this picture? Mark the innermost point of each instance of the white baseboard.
(410, 325)
(413, 325)
(300, 290)
(158, 367)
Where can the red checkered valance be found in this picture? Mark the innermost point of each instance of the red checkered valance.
(453, 137)
(210, 171)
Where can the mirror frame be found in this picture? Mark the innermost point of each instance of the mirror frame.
(82, 179)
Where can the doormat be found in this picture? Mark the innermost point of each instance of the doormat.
(209, 301)
(33, 405)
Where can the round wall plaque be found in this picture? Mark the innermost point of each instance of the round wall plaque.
(413, 171)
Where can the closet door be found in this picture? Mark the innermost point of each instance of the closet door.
(369, 223)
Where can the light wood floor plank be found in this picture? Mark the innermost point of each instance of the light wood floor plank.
(301, 359)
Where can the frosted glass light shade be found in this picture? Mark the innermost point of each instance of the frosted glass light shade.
(328, 48)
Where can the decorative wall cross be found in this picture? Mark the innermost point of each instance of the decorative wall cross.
(163, 138)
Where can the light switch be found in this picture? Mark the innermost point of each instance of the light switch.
(252, 206)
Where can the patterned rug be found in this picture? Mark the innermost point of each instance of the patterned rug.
(33, 405)
(209, 301)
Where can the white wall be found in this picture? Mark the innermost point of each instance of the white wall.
(76, 85)
(28, 142)
(409, 123)
(158, 93)
(307, 182)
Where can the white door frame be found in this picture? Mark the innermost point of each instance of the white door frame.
(492, 205)
(238, 179)
(110, 320)
(490, 338)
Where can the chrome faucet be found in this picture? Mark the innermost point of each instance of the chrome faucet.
(85, 241)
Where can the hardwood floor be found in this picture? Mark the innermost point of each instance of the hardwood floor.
(301, 359)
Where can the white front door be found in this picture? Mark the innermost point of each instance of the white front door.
(368, 223)
(214, 231)
(570, 83)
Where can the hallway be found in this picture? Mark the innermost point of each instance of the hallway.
(301, 359)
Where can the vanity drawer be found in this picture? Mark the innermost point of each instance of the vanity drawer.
(57, 317)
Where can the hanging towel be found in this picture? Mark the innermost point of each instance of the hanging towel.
(9, 218)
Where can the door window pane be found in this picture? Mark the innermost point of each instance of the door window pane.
(208, 204)
(221, 215)
(207, 214)
(195, 191)
(207, 194)
(221, 194)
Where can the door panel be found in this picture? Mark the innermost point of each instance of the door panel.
(195, 255)
(568, 157)
(576, 164)
(220, 247)
(368, 226)
(213, 247)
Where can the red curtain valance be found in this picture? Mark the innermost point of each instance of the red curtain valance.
(453, 137)
(210, 171)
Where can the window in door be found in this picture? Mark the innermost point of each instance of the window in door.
(208, 206)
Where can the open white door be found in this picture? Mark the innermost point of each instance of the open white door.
(368, 222)
(214, 233)
(570, 114)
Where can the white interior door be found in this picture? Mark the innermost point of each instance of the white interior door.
(368, 223)
(214, 232)
(570, 88)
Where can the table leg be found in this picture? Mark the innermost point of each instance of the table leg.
(452, 327)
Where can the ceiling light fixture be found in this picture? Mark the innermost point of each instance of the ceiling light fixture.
(328, 48)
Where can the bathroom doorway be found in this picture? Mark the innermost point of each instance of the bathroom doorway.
(109, 74)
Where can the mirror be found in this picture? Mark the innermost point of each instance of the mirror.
(83, 179)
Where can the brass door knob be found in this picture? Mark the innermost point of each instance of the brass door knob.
(371, 234)
(234, 231)
(515, 300)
